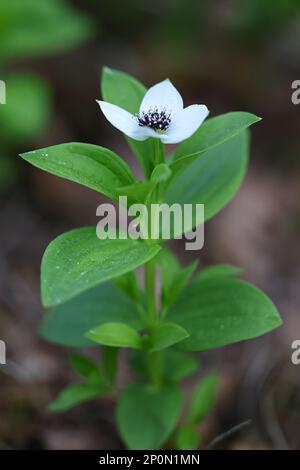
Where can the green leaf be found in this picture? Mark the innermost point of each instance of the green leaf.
(129, 285)
(218, 270)
(146, 416)
(174, 277)
(84, 365)
(175, 365)
(220, 311)
(116, 335)
(125, 91)
(122, 89)
(179, 282)
(27, 110)
(213, 179)
(67, 323)
(90, 165)
(144, 151)
(187, 437)
(32, 28)
(169, 267)
(162, 336)
(75, 395)
(203, 399)
(165, 335)
(161, 173)
(182, 278)
(179, 365)
(109, 357)
(136, 192)
(78, 260)
(212, 133)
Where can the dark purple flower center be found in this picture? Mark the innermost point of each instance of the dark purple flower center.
(155, 119)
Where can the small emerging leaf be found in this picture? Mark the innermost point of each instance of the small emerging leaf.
(203, 399)
(180, 280)
(169, 267)
(175, 365)
(187, 437)
(174, 277)
(165, 335)
(161, 173)
(84, 365)
(75, 395)
(136, 192)
(67, 323)
(179, 365)
(115, 334)
(218, 270)
(128, 284)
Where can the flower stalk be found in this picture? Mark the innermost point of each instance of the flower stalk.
(150, 291)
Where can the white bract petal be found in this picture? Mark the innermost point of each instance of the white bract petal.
(148, 132)
(123, 120)
(162, 96)
(185, 124)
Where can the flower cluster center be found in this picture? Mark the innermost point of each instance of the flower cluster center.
(155, 119)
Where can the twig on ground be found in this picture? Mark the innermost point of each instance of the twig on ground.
(227, 434)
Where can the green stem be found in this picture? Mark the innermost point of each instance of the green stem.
(150, 290)
(110, 364)
(154, 358)
(159, 156)
(154, 361)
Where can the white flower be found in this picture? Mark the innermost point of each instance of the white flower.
(161, 116)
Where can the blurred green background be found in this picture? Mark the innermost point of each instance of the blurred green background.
(230, 55)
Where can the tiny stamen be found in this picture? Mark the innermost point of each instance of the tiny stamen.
(155, 119)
